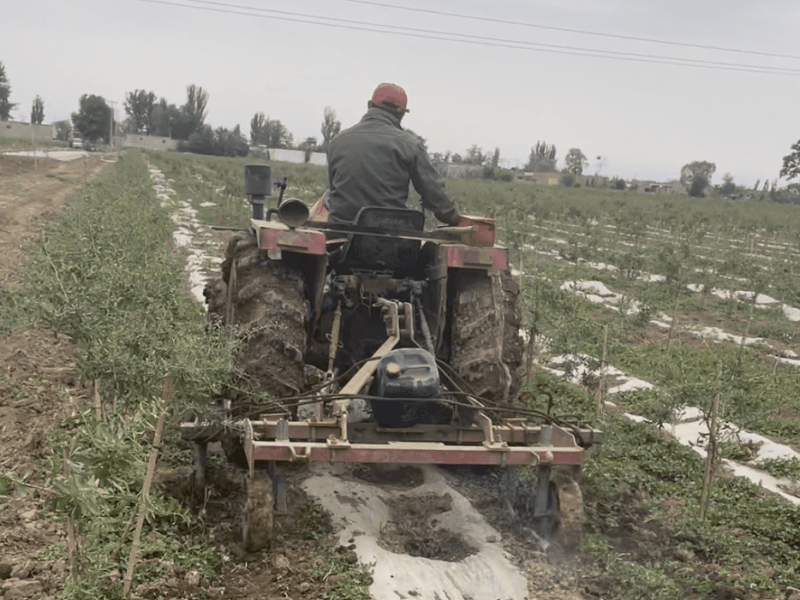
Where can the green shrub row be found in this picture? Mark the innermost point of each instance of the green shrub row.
(109, 277)
(638, 548)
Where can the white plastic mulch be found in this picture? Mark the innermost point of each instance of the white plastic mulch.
(186, 233)
(64, 155)
(688, 427)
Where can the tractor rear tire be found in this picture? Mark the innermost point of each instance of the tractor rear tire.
(264, 301)
(258, 514)
(486, 349)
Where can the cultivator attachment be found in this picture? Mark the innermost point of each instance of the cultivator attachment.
(514, 443)
(548, 449)
(419, 415)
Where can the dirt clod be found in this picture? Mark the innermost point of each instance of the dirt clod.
(403, 476)
(413, 530)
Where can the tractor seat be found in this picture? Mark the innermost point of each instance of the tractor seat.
(365, 251)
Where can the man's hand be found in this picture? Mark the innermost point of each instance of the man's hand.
(455, 220)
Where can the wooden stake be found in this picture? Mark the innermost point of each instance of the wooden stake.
(166, 396)
(531, 348)
(749, 320)
(674, 325)
(711, 457)
(71, 537)
(601, 400)
(98, 403)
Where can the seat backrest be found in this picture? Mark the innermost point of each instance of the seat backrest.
(367, 251)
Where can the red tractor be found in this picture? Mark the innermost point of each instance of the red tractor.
(414, 335)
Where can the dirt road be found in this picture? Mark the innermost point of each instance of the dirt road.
(32, 194)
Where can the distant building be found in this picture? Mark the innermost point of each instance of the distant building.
(27, 131)
(545, 178)
(594, 180)
(148, 142)
(654, 187)
(287, 155)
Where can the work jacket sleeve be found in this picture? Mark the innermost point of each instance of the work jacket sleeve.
(431, 189)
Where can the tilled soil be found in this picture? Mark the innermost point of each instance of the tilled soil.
(32, 195)
(296, 564)
(414, 529)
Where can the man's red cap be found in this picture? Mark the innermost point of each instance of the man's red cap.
(392, 95)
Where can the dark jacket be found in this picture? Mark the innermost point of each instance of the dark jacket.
(372, 163)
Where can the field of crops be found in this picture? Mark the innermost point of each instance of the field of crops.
(696, 297)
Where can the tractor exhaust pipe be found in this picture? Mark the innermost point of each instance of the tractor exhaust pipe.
(257, 185)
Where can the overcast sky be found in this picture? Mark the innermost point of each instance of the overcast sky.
(292, 58)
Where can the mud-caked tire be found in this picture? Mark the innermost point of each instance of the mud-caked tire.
(570, 514)
(258, 514)
(562, 521)
(486, 348)
(264, 301)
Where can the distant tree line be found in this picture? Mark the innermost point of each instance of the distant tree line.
(217, 142)
(270, 133)
(474, 157)
(542, 158)
(94, 121)
(146, 115)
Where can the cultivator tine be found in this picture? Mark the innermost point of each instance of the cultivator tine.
(542, 491)
(230, 312)
(281, 498)
(200, 460)
(543, 479)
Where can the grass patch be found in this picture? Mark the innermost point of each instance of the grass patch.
(353, 579)
(788, 468)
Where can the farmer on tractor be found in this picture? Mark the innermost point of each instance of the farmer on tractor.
(372, 163)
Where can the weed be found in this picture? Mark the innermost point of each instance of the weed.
(656, 405)
(309, 521)
(556, 396)
(53, 552)
(355, 586)
(788, 468)
(6, 486)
